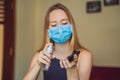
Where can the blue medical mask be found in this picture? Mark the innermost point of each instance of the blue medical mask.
(61, 33)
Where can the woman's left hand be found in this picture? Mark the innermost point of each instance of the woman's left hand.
(64, 63)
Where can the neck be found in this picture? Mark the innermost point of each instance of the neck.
(62, 50)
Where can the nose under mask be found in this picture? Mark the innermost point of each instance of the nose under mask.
(60, 34)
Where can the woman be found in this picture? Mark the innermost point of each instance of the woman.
(69, 59)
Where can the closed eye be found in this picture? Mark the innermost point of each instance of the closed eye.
(53, 25)
(64, 23)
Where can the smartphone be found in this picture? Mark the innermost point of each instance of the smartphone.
(71, 57)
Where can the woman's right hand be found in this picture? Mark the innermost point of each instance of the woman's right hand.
(44, 57)
(39, 58)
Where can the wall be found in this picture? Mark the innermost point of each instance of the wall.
(99, 32)
(1, 48)
(24, 36)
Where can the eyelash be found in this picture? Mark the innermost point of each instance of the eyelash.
(53, 25)
(62, 24)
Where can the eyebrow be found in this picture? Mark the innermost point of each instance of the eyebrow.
(53, 21)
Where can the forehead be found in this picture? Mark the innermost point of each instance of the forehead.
(57, 14)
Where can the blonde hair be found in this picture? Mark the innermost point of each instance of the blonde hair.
(74, 42)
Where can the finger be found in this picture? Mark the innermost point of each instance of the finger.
(43, 58)
(47, 66)
(48, 55)
(44, 53)
(46, 58)
(64, 63)
(75, 58)
(61, 64)
(74, 62)
(68, 63)
(43, 61)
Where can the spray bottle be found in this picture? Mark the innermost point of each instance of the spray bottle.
(49, 51)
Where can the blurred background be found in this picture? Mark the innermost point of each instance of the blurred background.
(21, 26)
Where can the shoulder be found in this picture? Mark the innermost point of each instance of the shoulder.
(85, 56)
(84, 64)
